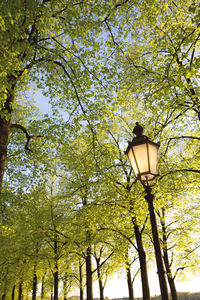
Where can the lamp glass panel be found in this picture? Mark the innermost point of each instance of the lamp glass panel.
(132, 162)
(153, 158)
(140, 152)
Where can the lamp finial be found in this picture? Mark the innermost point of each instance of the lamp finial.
(138, 130)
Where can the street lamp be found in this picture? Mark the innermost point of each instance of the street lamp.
(143, 157)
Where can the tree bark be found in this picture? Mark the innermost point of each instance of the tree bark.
(166, 259)
(56, 271)
(170, 279)
(3, 296)
(81, 280)
(129, 282)
(34, 293)
(5, 124)
(157, 247)
(27, 296)
(42, 287)
(56, 282)
(89, 288)
(51, 294)
(128, 277)
(13, 293)
(143, 262)
(20, 296)
(5, 283)
(64, 289)
(101, 288)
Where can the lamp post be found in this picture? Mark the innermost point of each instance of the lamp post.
(143, 157)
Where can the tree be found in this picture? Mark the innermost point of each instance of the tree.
(43, 41)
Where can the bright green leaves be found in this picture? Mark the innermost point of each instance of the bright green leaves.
(104, 65)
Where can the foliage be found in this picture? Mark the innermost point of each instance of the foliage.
(103, 65)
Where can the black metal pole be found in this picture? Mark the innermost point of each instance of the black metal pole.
(156, 241)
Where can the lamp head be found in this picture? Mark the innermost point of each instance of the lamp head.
(143, 155)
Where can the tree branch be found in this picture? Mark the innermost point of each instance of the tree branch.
(105, 260)
(180, 137)
(28, 136)
(177, 171)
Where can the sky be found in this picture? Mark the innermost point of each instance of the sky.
(41, 101)
(117, 286)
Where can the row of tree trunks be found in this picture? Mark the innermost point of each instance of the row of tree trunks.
(89, 284)
(89, 278)
(20, 290)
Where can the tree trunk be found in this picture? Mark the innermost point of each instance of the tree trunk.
(34, 293)
(27, 296)
(172, 286)
(56, 271)
(3, 296)
(13, 293)
(42, 287)
(170, 278)
(129, 282)
(128, 276)
(101, 288)
(89, 274)
(51, 294)
(5, 282)
(4, 135)
(143, 262)
(64, 289)
(20, 296)
(161, 271)
(56, 283)
(81, 280)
